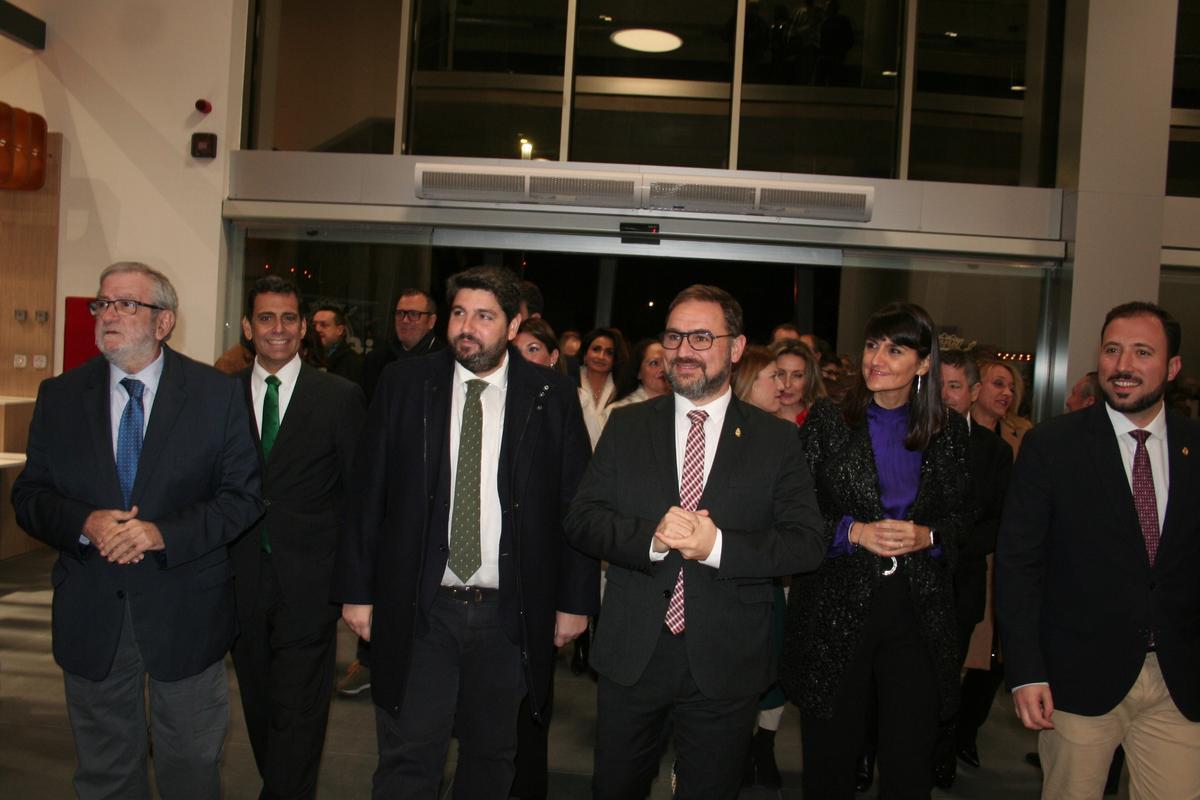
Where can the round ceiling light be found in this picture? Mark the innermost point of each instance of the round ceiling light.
(646, 40)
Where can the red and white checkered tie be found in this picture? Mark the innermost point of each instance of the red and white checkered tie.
(691, 487)
(1144, 499)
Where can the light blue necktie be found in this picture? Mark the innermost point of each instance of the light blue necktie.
(129, 437)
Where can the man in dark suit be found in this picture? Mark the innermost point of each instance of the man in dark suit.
(454, 565)
(306, 423)
(141, 471)
(338, 356)
(1096, 591)
(991, 468)
(696, 500)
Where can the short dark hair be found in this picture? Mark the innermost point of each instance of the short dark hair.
(531, 296)
(1139, 308)
(501, 282)
(786, 326)
(703, 293)
(339, 314)
(271, 284)
(908, 325)
(964, 361)
(430, 304)
(541, 330)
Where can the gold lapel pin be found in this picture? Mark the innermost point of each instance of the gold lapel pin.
(738, 433)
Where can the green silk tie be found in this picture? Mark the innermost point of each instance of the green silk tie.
(270, 429)
(465, 557)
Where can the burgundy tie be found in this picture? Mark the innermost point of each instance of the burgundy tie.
(691, 487)
(1143, 494)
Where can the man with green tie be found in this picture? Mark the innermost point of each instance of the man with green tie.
(306, 423)
(454, 565)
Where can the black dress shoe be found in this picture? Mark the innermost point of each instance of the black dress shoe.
(969, 754)
(864, 772)
(943, 775)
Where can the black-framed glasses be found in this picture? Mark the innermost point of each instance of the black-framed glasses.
(408, 315)
(699, 340)
(124, 306)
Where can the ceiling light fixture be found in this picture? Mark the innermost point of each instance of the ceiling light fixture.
(646, 40)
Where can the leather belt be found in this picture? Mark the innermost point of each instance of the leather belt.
(469, 594)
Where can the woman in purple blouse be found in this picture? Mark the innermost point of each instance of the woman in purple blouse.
(876, 620)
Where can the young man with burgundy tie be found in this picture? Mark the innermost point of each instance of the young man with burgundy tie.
(141, 471)
(1096, 589)
(454, 566)
(696, 500)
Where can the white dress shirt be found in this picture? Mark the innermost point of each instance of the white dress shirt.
(490, 514)
(288, 374)
(1156, 448)
(712, 433)
(118, 397)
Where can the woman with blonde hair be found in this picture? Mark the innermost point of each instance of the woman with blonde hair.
(756, 379)
(1001, 391)
(800, 374)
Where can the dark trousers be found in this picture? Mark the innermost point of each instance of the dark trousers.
(711, 736)
(188, 721)
(892, 663)
(284, 658)
(531, 781)
(948, 739)
(464, 677)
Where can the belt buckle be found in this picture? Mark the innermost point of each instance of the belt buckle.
(892, 569)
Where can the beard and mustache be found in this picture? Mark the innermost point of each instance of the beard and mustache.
(1131, 405)
(484, 359)
(701, 386)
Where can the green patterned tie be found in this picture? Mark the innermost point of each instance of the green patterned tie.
(464, 521)
(270, 429)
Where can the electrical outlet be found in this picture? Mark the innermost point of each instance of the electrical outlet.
(20, 315)
(20, 360)
(41, 316)
(39, 361)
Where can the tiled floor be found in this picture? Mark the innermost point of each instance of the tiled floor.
(37, 758)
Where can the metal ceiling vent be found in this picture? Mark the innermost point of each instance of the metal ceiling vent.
(678, 193)
(524, 185)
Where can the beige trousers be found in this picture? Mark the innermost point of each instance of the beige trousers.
(1162, 748)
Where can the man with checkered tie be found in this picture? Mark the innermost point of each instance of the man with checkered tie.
(696, 500)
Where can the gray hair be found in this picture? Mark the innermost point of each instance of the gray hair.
(162, 293)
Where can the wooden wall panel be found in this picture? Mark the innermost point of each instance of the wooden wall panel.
(28, 276)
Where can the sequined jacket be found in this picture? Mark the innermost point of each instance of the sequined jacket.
(828, 608)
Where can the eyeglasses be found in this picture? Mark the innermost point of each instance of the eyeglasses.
(126, 308)
(699, 340)
(411, 316)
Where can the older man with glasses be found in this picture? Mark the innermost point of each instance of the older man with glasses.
(141, 471)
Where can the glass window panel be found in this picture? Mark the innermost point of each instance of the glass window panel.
(821, 84)
(487, 74)
(637, 107)
(1186, 90)
(325, 75)
(1183, 157)
(982, 97)
(1179, 293)
(362, 277)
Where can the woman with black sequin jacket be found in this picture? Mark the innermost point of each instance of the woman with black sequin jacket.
(877, 618)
